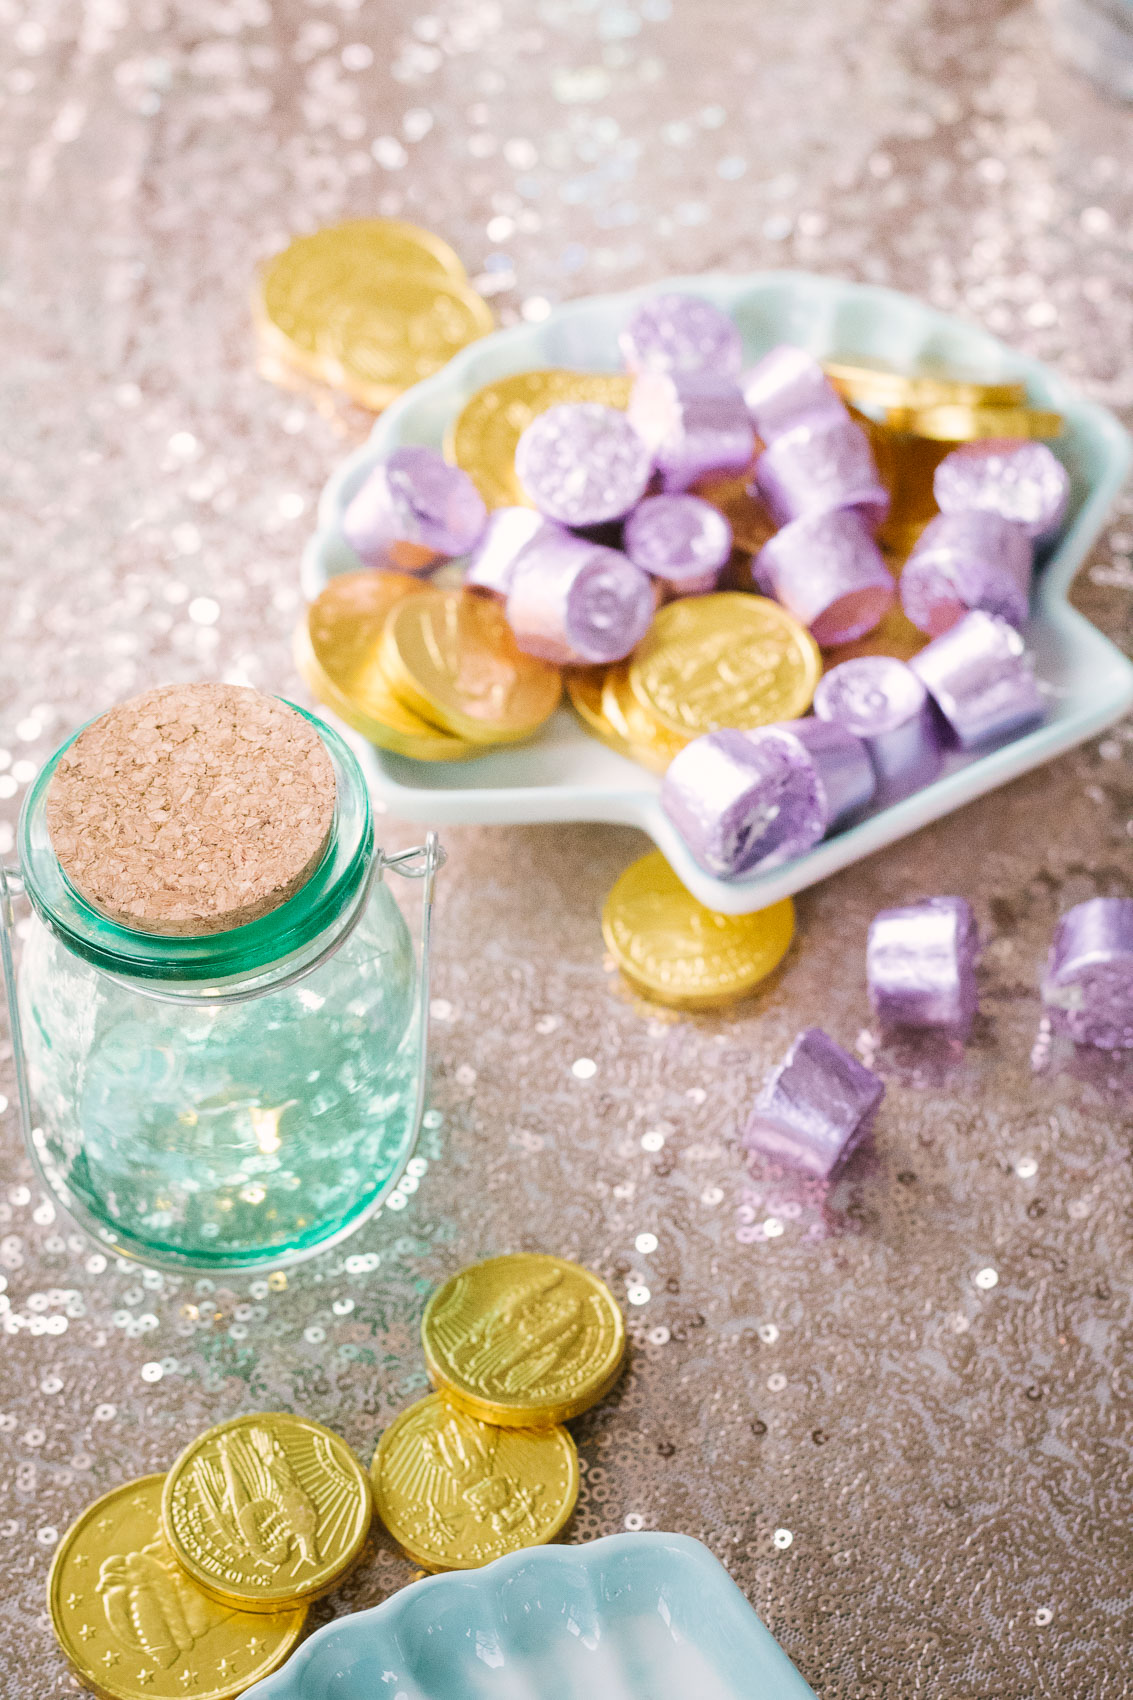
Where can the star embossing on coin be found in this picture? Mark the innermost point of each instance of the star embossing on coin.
(104, 1523)
(74, 1600)
(144, 1678)
(223, 1667)
(85, 1631)
(109, 1658)
(253, 1645)
(79, 1560)
(187, 1678)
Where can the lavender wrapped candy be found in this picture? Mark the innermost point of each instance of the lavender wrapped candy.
(576, 603)
(582, 463)
(682, 540)
(740, 804)
(1023, 482)
(819, 464)
(883, 702)
(784, 387)
(681, 333)
(828, 571)
(694, 423)
(413, 510)
(757, 799)
(981, 680)
(491, 565)
(815, 1108)
(971, 559)
(921, 965)
(1088, 987)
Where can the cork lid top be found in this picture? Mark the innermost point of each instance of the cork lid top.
(192, 809)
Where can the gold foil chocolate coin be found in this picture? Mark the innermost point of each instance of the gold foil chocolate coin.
(726, 659)
(675, 951)
(960, 423)
(136, 1627)
(526, 1340)
(337, 647)
(483, 437)
(337, 263)
(863, 378)
(456, 1493)
(266, 1511)
(452, 658)
(648, 742)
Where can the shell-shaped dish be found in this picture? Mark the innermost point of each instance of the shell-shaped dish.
(564, 774)
(631, 1617)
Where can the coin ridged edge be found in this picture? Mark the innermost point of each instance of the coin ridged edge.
(258, 1605)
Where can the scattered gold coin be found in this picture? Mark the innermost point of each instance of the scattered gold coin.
(452, 658)
(337, 646)
(526, 1340)
(650, 743)
(483, 437)
(961, 423)
(863, 378)
(725, 659)
(294, 285)
(266, 1511)
(675, 951)
(136, 1627)
(455, 1492)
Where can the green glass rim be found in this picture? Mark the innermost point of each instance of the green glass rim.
(250, 949)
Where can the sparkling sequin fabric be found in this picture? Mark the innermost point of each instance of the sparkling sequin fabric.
(899, 1412)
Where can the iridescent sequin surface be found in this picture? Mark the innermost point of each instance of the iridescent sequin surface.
(898, 1411)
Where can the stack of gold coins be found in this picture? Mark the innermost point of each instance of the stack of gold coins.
(198, 1581)
(516, 1347)
(673, 950)
(368, 308)
(482, 438)
(423, 672)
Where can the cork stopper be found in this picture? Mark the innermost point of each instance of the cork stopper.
(192, 809)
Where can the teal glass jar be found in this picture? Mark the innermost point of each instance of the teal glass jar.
(238, 1099)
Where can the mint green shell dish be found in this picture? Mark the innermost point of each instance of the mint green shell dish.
(631, 1617)
(564, 774)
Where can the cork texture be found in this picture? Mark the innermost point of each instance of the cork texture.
(192, 809)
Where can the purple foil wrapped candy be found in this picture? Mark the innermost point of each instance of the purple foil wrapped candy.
(883, 702)
(785, 386)
(491, 565)
(819, 464)
(971, 559)
(681, 333)
(844, 778)
(414, 509)
(921, 965)
(740, 804)
(681, 539)
(1088, 986)
(815, 1107)
(981, 680)
(694, 423)
(828, 571)
(574, 602)
(582, 463)
(1024, 482)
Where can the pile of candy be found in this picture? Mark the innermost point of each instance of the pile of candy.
(365, 308)
(201, 1578)
(610, 551)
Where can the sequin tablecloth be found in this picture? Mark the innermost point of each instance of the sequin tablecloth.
(900, 1414)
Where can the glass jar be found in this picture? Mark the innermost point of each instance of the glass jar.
(243, 1098)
